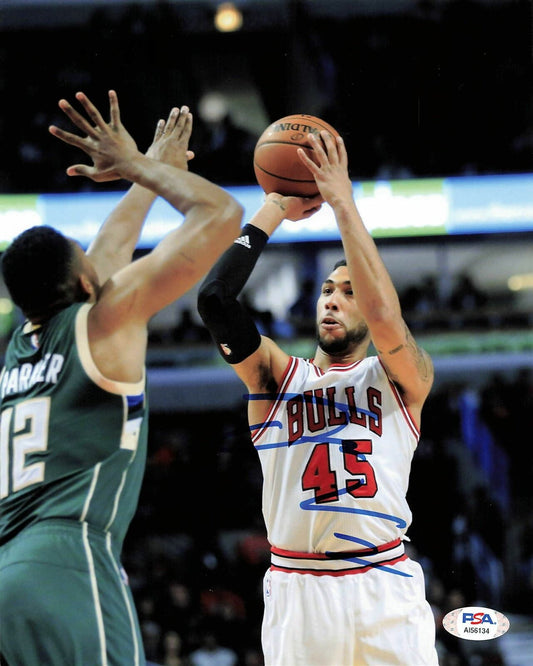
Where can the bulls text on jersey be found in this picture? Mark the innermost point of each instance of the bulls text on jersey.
(312, 411)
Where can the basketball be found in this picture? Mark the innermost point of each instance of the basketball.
(277, 166)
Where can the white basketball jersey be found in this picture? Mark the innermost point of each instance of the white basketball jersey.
(336, 451)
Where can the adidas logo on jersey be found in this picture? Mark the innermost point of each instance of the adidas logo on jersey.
(244, 240)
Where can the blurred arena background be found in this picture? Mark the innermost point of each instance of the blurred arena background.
(420, 90)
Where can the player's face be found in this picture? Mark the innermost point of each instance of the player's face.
(340, 325)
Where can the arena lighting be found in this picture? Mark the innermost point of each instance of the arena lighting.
(228, 18)
(6, 306)
(520, 282)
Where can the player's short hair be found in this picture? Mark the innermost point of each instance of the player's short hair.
(341, 262)
(37, 271)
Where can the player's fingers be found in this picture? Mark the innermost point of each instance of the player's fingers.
(308, 162)
(114, 109)
(331, 145)
(318, 147)
(67, 137)
(184, 123)
(92, 173)
(172, 119)
(76, 117)
(189, 155)
(91, 110)
(159, 129)
(311, 211)
(343, 153)
(80, 170)
(325, 146)
(187, 130)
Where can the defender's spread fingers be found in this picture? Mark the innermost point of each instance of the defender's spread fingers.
(184, 124)
(172, 119)
(76, 117)
(114, 109)
(91, 110)
(67, 137)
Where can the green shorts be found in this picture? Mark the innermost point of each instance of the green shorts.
(64, 599)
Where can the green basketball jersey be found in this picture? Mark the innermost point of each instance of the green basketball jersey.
(72, 443)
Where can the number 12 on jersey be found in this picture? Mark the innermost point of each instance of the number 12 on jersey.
(29, 422)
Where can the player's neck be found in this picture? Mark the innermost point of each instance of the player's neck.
(324, 361)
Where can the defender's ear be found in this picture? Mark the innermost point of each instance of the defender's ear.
(86, 285)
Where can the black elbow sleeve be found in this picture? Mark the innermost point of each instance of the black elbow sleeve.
(230, 324)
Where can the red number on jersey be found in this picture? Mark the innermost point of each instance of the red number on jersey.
(319, 476)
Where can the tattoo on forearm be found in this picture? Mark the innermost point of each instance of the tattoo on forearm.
(421, 358)
(424, 366)
(396, 349)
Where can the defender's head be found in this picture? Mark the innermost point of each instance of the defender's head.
(45, 272)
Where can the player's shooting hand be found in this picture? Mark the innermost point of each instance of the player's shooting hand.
(109, 145)
(331, 171)
(171, 140)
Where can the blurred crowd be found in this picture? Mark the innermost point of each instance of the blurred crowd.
(466, 307)
(447, 113)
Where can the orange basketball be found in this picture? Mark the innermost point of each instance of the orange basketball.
(277, 166)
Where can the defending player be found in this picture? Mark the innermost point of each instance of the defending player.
(335, 436)
(74, 408)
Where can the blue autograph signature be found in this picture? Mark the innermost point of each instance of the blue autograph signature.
(310, 504)
(340, 406)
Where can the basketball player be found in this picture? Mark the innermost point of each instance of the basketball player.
(335, 436)
(74, 409)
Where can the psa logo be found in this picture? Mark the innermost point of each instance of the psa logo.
(475, 623)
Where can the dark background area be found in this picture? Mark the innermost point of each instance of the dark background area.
(438, 89)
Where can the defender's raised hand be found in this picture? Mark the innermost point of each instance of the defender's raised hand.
(171, 139)
(109, 145)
